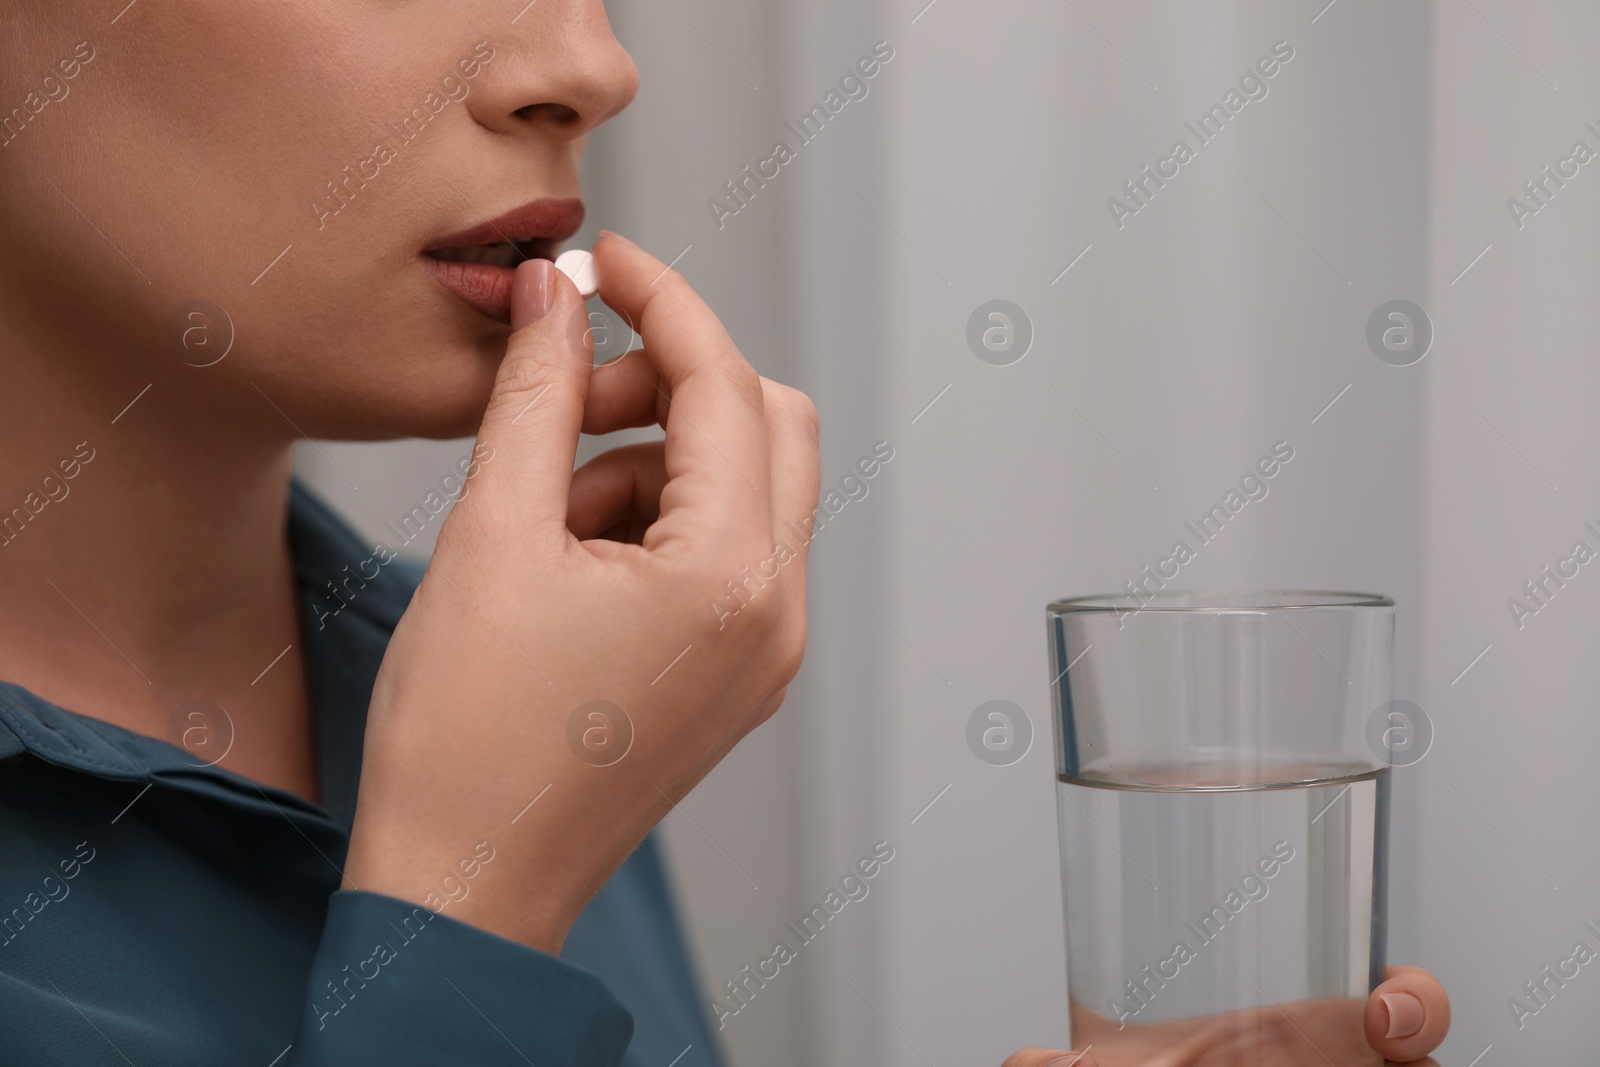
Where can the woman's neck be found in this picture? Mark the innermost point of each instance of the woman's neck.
(144, 565)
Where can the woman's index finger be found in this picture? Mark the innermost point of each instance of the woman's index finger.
(717, 452)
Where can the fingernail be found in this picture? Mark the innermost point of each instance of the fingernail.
(1405, 1014)
(531, 290)
(618, 236)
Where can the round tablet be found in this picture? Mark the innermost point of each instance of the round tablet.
(578, 265)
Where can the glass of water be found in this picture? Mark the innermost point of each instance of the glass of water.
(1224, 822)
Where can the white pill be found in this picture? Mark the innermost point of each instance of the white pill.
(578, 265)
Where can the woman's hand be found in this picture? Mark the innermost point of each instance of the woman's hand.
(1404, 1020)
(483, 726)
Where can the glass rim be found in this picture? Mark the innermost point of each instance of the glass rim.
(1219, 601)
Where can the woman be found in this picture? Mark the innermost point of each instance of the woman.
(267, 799)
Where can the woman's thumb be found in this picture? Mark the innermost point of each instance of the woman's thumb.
(535, 410)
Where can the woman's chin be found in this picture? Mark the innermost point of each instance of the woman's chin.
(428, 405)
(439, 417)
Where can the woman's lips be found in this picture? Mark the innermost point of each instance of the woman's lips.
(478, 264)
(482, 285)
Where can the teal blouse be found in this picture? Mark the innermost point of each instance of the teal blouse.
(159, 912)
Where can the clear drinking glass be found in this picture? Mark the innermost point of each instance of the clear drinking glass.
(1224, 822)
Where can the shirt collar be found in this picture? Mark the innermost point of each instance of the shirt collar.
(351, 598)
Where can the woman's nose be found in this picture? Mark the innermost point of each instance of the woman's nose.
(558, 70)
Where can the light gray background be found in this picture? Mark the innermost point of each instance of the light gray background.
(1224, 317)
